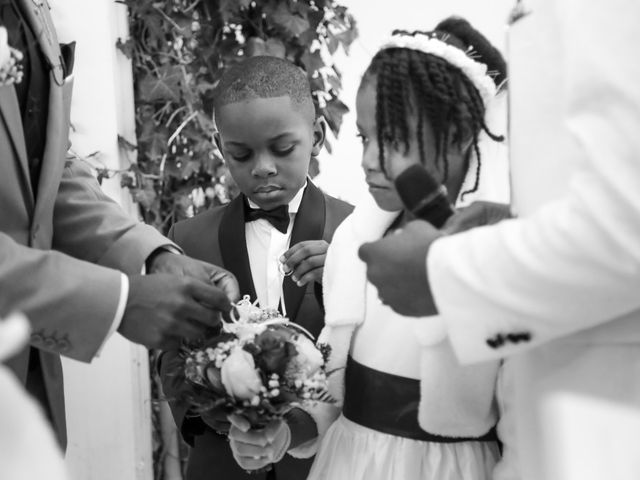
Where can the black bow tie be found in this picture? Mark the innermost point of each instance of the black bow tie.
(278, 217)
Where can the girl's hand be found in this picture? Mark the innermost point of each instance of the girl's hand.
(305, 261)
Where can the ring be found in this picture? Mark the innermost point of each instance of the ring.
(282, 268)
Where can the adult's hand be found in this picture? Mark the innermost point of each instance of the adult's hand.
(396, 265)
(164, 309)
(305, 261)
(475, 215)
(255, 449)
(164, 261)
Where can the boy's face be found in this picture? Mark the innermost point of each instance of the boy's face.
(267, 144)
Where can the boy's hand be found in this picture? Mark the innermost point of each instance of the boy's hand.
(255, 449)
(217, 421)
(305, 261)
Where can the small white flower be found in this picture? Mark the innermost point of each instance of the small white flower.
(198, 197)
(475, 71)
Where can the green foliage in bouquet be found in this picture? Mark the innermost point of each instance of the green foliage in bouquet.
(179, 49)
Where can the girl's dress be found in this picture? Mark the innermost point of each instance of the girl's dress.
(405, 408)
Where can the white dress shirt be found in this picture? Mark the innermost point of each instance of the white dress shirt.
(265, 246)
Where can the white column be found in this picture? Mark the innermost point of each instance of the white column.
(108, 402)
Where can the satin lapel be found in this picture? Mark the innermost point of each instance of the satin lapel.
(233, 246)
(37, 12)
(10, 111)
(309, 225)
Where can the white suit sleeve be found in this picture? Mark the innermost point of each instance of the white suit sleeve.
(576, 262)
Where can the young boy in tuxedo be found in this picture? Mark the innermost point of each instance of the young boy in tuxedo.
(273, 237)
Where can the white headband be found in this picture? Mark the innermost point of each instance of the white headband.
(423, 42)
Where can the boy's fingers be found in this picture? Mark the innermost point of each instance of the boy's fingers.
(312, 276)
(272, 430)
(251, 463)
(239, 422)
(308, 265)
(302, 250)
(293, 249)
(250, 437)
(250, 450)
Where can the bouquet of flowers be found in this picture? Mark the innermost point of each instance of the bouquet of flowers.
(259, 366)
(10, 67)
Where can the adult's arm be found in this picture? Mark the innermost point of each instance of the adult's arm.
(576, 262)
(90, 226)
(71, 303)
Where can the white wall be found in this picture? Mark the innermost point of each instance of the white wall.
(108, 401)
(340, 172)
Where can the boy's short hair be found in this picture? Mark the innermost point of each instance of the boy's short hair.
(264, 77)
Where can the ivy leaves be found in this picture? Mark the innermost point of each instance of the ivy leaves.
(179, 49)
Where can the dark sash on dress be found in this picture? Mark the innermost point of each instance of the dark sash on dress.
(389, 404)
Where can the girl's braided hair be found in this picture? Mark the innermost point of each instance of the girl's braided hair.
(411, 82)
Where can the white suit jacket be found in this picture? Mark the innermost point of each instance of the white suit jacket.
(565, 277)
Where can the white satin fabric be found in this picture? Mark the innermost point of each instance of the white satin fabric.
(352, 452)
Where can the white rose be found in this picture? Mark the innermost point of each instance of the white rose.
(247, 311)
(309, 357)
(239, 375)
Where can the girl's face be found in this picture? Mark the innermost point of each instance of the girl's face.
(396, 161)
(380, 186)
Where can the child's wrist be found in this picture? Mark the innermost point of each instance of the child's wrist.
(302, 426)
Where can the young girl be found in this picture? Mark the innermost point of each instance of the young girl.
(406, 409)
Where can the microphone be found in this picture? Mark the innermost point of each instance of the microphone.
(423, 196)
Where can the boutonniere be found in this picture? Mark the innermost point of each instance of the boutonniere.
(10, 58)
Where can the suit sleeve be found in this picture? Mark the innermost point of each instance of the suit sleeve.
(575, 263)
(70, 303)
(90, 226)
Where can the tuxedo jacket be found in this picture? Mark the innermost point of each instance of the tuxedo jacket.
(557, 291)
(218, 236)
(60, 250)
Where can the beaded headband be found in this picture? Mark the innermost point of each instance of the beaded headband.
(431, 44)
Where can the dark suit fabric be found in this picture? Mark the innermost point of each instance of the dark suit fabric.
(218, 236)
